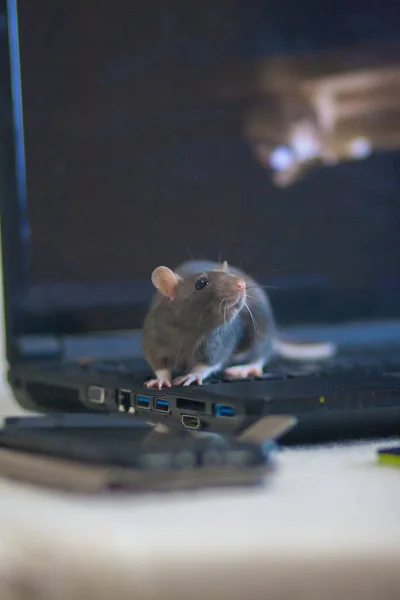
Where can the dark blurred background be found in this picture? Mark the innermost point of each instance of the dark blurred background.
(136, 152)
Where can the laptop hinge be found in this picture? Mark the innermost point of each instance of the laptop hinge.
(40, 346)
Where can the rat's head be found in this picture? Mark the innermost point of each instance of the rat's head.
(214, 297)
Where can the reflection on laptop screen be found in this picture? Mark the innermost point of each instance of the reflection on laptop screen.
(267, 135)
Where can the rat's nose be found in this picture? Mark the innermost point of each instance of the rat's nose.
(240, 284)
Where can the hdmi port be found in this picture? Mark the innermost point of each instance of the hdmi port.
(190, 422)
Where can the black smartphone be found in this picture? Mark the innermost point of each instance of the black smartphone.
(90, 455)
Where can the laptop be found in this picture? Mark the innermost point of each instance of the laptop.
(248, 132)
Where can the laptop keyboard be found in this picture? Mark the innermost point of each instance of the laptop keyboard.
(358, 365)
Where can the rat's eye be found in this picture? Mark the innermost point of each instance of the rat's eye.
(201, 283)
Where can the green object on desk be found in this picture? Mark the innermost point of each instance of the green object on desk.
(389, 456)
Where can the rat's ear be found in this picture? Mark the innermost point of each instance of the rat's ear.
(165, 281)
(222, 267)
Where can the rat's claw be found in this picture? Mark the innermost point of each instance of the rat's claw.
(244, 371)
(186, 380)
(158, 384)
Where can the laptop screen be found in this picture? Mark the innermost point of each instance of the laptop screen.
(263, 133)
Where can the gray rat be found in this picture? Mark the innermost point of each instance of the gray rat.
(206, 316)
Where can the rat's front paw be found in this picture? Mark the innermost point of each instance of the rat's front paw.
(162, 380)
(188, 379)
(158, 384)
(199, 373)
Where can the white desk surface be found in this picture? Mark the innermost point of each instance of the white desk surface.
(327, 526)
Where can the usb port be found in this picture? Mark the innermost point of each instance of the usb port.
(224, 410)
(161, 405)
(124, 400)
(142, 402)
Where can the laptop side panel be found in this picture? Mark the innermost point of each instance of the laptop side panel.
(12, 173)
(326, 408)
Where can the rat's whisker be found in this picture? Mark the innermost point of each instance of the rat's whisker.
(240, 317)
(266, 287)
(202, 315)
(252, 318)
(228, 317)
(225, 309)
(220, 305)
(189, 252)
(221, 308)
(277, 270)
(255, 300)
